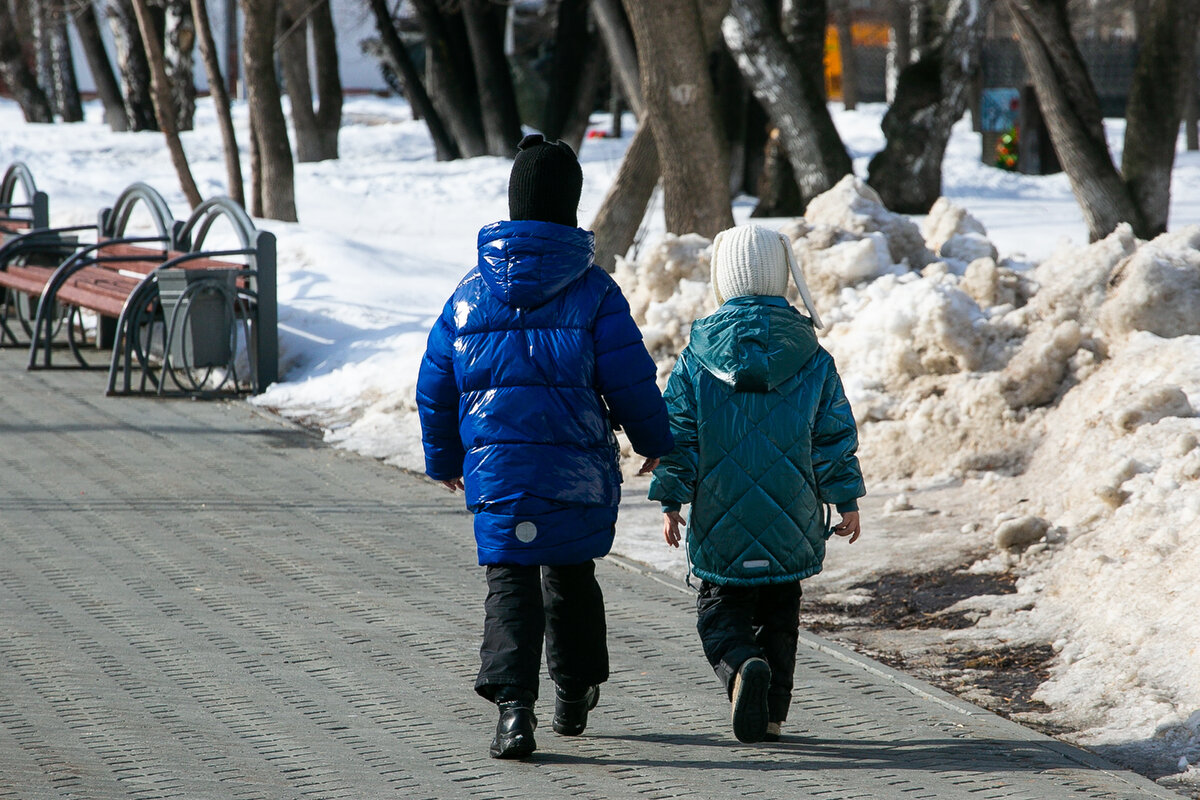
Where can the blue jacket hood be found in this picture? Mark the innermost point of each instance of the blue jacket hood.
(525, 263)
(754, 343)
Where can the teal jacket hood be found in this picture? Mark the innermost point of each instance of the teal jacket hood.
(754, 343)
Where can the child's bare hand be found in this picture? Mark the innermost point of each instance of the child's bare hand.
(453, 485)
(849, 526)
(648, 466)
(671, 522)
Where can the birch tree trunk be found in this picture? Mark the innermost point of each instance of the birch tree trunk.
(109, 91)
(16, 73)
(788, 91)
(62, 64)
(131, 63)
(179, 46)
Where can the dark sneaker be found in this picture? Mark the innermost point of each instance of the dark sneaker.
(571, 710)
(750, 700)
(514, 731)
(774, 731)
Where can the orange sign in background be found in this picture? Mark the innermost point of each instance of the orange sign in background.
(862, 34)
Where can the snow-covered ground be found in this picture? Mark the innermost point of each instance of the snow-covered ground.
(1049, 385)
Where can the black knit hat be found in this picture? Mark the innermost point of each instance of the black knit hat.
(546, 182)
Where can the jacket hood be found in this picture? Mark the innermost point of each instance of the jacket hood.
(526, 263)
(754, 343)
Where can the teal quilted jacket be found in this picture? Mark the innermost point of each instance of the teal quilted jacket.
(764, 437)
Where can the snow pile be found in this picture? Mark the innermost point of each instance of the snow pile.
(1074, 384)
(668, 288)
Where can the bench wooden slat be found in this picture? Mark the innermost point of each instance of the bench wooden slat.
(27, 279)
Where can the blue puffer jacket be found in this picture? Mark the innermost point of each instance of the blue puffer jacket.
(764, 436)
(512, 394)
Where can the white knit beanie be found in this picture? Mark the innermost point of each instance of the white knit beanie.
(752, 260)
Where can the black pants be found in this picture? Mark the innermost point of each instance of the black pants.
(741, 622)
(525, 603)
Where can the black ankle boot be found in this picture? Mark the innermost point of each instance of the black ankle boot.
(514, 731)
(571, 709)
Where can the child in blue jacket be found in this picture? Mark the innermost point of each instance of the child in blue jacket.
(764, 439)
(533, 361)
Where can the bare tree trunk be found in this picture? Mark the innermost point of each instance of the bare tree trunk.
(1191, 114)
(62, 64)
(618, 41)
(276, 172)
(292, 44)
(1072, 112)
(256, 173)
(450, 76)
(329, 81)
(845, 36)
(220, 98)
(573, 53)
(579, 112)
(617, 222)
(163, 105)
(131, 62)
(790, 96)
(109, 91)
(179, 45)
(1162, 80)
(931, 98)
(778, 194)
(624, 207)
(316, 128)
(16, 73)
(414, 87)
(493, 78)
(682, 111)
(899, 53)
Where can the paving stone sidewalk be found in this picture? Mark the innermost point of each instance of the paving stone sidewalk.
(200, 601)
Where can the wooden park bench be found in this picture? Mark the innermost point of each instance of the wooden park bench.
(29, 248)
(165, 303)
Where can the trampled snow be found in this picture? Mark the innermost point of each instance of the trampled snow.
(986, 347)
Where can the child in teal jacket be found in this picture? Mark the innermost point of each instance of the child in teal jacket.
(764, 440)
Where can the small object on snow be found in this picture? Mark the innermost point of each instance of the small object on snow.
(1113, 496)
(1184, 445)
(1152, 404)
(1018, 534)
(896, 504)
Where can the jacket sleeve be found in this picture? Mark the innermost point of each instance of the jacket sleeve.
(835, 440)
(437, 404)
(625, 377)
(674, 481)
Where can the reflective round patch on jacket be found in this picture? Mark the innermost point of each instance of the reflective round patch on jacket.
(526, 532)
